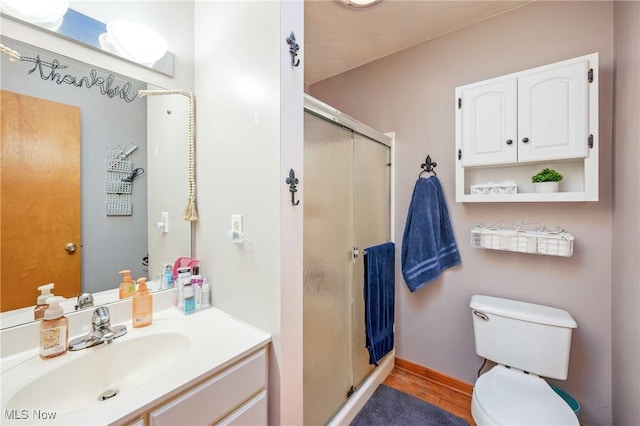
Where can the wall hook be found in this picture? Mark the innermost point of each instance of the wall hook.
(428, 166)
(293, 49)
(292, 180)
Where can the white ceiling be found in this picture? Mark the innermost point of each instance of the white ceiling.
(338, 38)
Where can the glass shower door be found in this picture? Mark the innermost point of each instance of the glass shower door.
(346, 205)
(371, 226)
(328, 230)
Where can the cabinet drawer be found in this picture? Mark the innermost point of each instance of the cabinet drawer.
(210, 401)
(253, 413)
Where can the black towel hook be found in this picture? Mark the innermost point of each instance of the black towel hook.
(292, 181)
(428, 166)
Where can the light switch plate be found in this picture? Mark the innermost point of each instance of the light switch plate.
(236, 223)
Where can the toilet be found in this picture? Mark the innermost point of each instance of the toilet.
(527, 342)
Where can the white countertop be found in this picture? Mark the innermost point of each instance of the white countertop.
(217, 340)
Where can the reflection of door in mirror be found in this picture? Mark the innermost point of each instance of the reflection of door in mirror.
(40, 172)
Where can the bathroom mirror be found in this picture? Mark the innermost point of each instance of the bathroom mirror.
(116, 234)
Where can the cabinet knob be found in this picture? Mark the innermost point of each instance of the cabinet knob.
(509, 141)
(525, 140)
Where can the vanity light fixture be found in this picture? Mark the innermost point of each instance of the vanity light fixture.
(45, 13)
(134, 41)
(361, 4)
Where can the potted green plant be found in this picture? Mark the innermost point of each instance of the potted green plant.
(546, 180)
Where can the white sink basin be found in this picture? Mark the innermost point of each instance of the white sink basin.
(100, 377)
(104, 372)
(145, 367)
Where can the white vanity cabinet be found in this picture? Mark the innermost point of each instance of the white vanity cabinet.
(510, 127)
(237, 395)
(198, 369)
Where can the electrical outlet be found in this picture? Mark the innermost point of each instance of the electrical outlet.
(236, 223)
(165, 222)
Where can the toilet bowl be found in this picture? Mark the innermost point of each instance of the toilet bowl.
(527, 342)
(507, 396)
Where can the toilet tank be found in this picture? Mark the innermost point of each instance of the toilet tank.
(529, 337)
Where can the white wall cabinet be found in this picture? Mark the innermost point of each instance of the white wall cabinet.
(510, 127)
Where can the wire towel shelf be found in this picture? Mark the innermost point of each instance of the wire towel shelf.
(533, 238)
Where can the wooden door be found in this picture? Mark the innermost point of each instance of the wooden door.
(553, 119)
(40, 199)
(489, 122)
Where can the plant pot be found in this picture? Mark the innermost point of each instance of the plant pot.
(546, 187)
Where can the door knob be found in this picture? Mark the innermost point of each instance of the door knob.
(509, 141)
(70, 248)
(525, 140)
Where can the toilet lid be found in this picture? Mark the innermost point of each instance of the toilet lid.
(511, 397)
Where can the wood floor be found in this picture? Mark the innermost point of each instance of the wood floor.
(436, 388)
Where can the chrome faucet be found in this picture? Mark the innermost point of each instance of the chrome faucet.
(85, 300)
(101, 331)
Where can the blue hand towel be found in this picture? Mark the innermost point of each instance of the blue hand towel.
(428, 244)
(379, 299)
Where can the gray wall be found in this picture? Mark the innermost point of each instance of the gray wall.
(412, 93)
(109, 243)
(626, 209)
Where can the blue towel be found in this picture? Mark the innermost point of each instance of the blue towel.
(428, 244)
(379, 299)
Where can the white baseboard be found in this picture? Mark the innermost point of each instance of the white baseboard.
(355, 403)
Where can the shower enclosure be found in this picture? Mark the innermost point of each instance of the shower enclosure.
(346, 209)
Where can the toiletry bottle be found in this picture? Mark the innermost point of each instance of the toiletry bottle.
(127, 286)
(189, 298)
(184, 277)
(41, 304)
(167, 276)
(142, 305)
(206, 293)
(54, 330)
(196, 283)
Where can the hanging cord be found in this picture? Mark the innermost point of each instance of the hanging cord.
(15, 56)
(190, 212)
(482, 366)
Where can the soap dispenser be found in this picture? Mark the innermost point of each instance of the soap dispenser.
(127, 286)
(54, 330)
(41, 304)
(142, 305)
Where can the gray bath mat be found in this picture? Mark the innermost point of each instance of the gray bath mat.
(388, 406)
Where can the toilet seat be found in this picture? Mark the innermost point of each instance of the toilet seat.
(505, 396)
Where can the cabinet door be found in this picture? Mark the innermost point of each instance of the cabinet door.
(489, 122)
(553, 113)
(210, 401)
